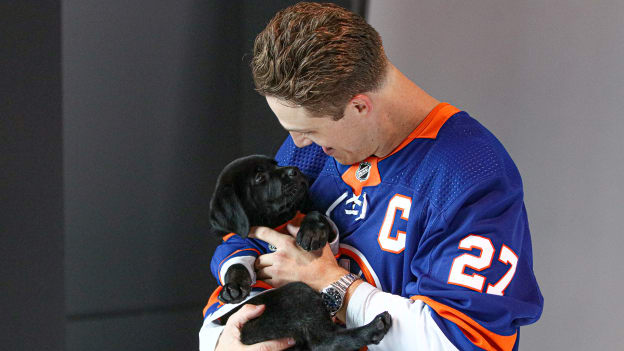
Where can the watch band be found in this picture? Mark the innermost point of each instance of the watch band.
(333, 295)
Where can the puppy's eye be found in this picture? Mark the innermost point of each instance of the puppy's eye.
(259, 178)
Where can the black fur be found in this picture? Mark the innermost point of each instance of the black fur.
(254, 191)
(297, 311)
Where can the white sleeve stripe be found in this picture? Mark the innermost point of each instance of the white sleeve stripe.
(209, 335)
(412, 323)
(211, 331)
(247, 261)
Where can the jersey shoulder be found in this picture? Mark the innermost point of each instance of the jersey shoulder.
(310, 160)
(463, 155)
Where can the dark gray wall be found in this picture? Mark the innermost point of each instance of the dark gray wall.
(116, 118)
(147, 90)
(547, 77)
(31, 185)
(158, 97)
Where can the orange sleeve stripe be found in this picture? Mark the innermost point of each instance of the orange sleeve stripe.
(263, 285)
(214, 297)
(227, 237)
(477, 334)
(225, 259)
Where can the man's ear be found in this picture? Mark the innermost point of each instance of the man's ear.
(226, 212)
(361, 104)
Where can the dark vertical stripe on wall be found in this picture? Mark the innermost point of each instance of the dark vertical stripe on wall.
(360, 7)
(31, 189)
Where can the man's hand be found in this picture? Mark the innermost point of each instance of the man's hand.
(230, 337)
(290, 263)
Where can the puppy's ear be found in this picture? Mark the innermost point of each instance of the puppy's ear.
(226, 212)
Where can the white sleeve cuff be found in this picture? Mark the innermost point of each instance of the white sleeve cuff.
(211, 330)
(209, 335)
(412, 323)
(247, 261)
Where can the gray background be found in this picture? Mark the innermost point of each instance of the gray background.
(117, 115)
(547, 77)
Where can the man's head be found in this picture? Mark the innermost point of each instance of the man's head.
(318, 56)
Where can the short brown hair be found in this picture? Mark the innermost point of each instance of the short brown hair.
(318, 56)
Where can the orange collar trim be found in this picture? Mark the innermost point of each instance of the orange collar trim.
(373, 178)
(427, 129)
(430, 126)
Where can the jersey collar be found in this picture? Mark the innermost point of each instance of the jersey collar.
(427, 129)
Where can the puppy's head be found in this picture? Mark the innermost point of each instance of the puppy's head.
(255, 191)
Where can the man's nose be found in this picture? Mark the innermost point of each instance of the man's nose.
(300, 140)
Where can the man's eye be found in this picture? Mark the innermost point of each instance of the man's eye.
(260, 178)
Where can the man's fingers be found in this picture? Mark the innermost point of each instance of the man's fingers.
(249, 312)
(292, 229)
(263, 261)
(245, 314)
(262, 275)
(273, 345)
(271, 236)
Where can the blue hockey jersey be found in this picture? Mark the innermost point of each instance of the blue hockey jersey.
(441, 220)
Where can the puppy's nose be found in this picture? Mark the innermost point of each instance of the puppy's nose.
(292, 172)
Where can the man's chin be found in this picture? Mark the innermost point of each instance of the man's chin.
(347, 161)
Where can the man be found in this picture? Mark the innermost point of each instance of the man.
(428, 203)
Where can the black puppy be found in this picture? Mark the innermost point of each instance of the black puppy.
(255, 191)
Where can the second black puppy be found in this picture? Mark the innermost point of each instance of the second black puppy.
(255, 191)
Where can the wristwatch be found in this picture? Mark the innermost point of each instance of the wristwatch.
(333, 295)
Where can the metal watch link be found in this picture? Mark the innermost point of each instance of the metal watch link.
(333, 295)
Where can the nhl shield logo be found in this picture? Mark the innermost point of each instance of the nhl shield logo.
(363, 171)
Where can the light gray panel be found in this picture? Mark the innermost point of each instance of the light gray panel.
(547, 77)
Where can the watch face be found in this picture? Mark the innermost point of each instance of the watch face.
(332, 299)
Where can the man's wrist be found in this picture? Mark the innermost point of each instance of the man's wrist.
(342, 312)
(329, 277)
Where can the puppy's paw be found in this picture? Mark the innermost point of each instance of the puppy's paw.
(378, 328)
(314, 231)
(234, 292)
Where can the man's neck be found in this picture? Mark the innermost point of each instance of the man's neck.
(406, 105)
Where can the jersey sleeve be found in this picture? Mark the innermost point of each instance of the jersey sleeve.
(236, 249)
(474, 267)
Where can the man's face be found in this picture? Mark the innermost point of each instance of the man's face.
(348, 139)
